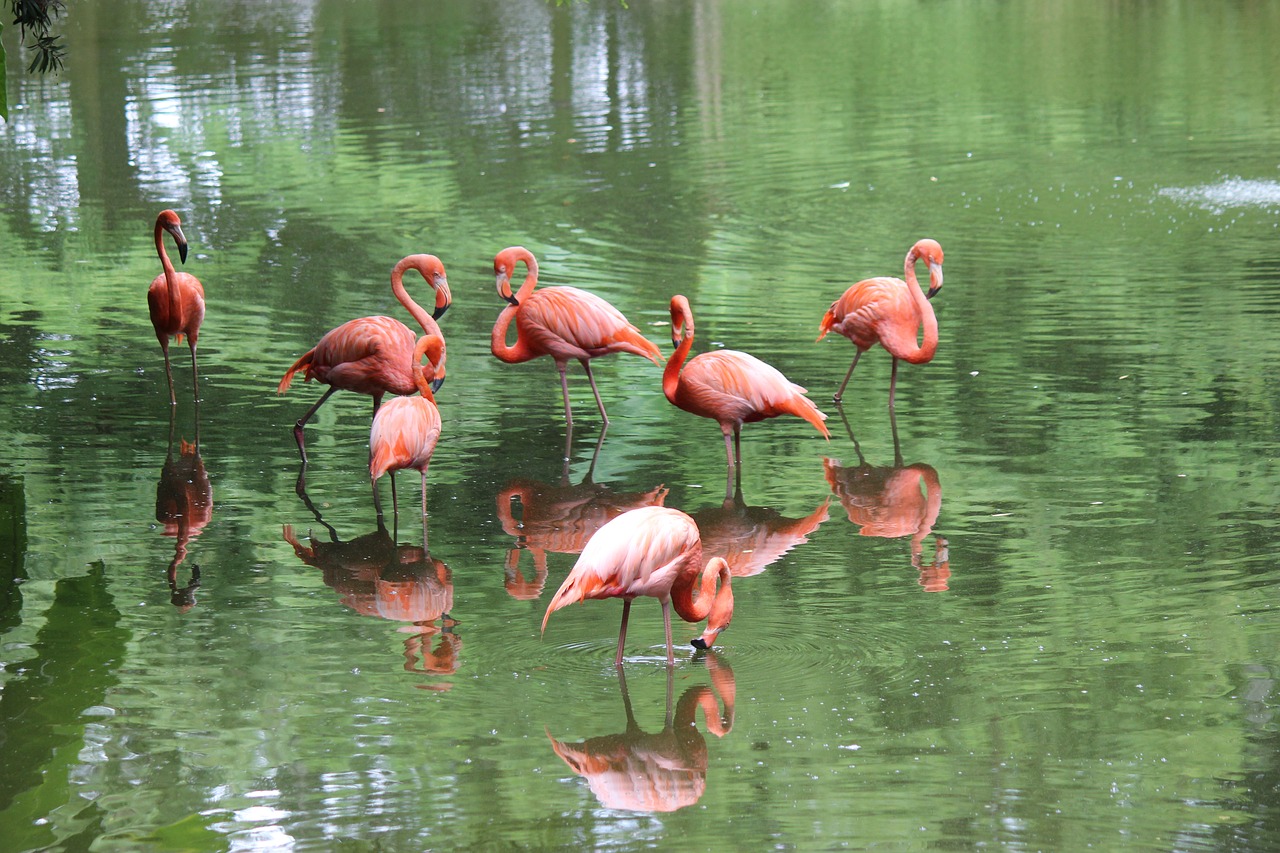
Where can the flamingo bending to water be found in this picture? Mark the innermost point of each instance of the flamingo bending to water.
(730, 387)
(654, 551)
(562, 322)
(889, 311)
(374, 355)
(175, 301)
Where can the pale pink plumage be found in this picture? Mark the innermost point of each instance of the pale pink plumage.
(889, 312)
(562, 322)
(653, 551)
(175, 301)
(405, 430)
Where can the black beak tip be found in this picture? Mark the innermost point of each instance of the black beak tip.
(182, 252)
(932, 292)
(699, 643)
(436, 383)
(439, 312)
(512, 300)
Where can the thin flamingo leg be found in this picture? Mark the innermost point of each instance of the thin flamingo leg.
(168, 370)
(622, 632)
(599, 403)
(302, 422)
(893, 382)
(377, 501)
(666, 623)
(564, 389)
(840, 394)
(195, 374)
(395, 504)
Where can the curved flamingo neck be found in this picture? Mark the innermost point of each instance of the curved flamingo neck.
(169, 274)
(680, 315)
(431, 347)
(909, 350)
(425, 320)
(682, 599)
(519, 351)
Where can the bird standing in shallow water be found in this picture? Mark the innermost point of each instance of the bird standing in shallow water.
(562, 322)
(889, 311)
(405, 430)
(654, 551)
(175, 301)
(730, 387)
(374, 355)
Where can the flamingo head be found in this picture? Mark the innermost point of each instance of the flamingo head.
(681, 319)
(721, 609)
(931, 253)
(435, 275)
(169, 221)
(432, 346)
(504, 265)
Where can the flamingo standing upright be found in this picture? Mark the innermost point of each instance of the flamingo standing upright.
(374, 355)
(405, 430)
(889, 311)
(730, 387)
(175, 301)
(562, 322)
(654, 551)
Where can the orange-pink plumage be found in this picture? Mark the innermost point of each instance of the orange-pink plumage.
(175, 301)
(562, 322)
(730, 387)
(374, 355)
(890, 312)
(405, 430)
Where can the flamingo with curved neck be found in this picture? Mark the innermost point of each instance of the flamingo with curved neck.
(405, 430)
(175, 301)
(562, 322)
(730, 387)
(654, 551)
(889, 311)
(374, 355)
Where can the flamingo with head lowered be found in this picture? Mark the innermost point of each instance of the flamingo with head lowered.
(889, 311)
(175, 301)
(730, 387)
(405, 430)
(374, 355)
(654, 551)
(562, 322)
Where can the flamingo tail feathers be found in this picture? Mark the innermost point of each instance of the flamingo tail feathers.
(305, 361)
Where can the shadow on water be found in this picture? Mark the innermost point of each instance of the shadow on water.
(78, 653)
(558, 517)
(184, 505)
(893, 502)
(660, 771)
(375, 576)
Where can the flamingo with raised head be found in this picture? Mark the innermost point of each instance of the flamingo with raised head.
(730, 387)
(374, 355)
(562, 322)
(405, 430)
(889, 311)
(175, 301)
(654, 551)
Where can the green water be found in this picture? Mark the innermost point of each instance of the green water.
(1050, 625)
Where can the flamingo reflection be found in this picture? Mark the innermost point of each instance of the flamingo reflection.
(750, 538)
(376, 577)
(663, 771)
(893, 502)
(184, 505)
(558, 517)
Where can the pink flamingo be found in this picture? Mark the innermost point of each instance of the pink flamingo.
(562, 322)
(374, 355)
(175, 301)
(730, 387)
(654, 551)
(405, 430)
(889, 311)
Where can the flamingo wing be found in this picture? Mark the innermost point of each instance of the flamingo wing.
(865, 308)
(638, 553)
(582, 320)
(368, 355)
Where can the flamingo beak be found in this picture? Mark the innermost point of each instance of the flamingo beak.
(443, 299)
(180, 239)
(707, 639)
(935, 279)
(504, 288)
(436, 383)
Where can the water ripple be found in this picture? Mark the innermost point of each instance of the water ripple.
(1228, 193)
